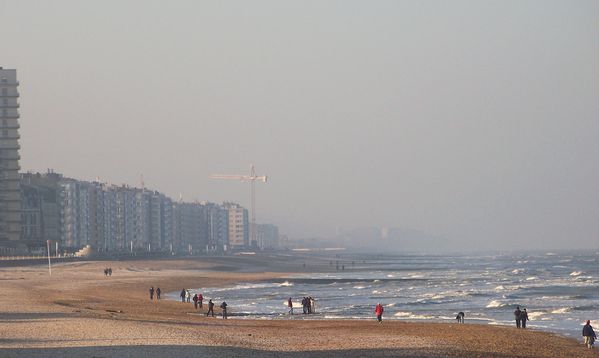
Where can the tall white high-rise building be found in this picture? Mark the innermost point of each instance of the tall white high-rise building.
(10, 194)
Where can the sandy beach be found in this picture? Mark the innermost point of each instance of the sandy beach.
(78, 312)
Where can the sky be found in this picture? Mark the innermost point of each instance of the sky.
(474, 121)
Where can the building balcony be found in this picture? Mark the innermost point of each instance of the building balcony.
(11, 83)
(11, 126)
(10, 95)
(6, 165)
(10, 136)
(9, 146)
(9, 115)
(10, 156)
(2, 105)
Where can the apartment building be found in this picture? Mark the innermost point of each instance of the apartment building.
(10, 194)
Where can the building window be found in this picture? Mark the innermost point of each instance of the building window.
(5, 91)
(4, 123)
(5, 132)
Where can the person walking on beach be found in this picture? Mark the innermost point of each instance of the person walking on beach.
(210, 308)
(195, 301)
(158, 293)
(290, 305)
(378, 310)
(152, 292)
(589, 335)
(523, 318)
(312, 305)
(517, 313)
(200, 299)
(304, 305)
(460, 317)
(223, 306)
(182, 295)
(188, 296)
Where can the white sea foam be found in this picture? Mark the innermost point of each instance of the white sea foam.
(286, 284)
(562, 310)
(534, 316)
(402, 314)
(500, 288)
(359, 287)
(495, 304)
(575, 273)
(531, 278)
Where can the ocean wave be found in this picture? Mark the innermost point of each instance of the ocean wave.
(532, 278)
(575, 273)
(500, 288)
(495, 304)
(286, 284)
(534, 316)
(402, 314)
(562, 310)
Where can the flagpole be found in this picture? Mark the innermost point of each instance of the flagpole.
(49, 263)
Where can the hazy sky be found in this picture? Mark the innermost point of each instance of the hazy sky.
(474, 120)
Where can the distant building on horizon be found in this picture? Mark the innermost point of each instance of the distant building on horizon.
(267, 236)
(10, 192)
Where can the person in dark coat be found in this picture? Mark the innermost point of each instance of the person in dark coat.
(305, 305)
(517, 316)
(460, 317)
(589, 335)
(523, 318)
(182, 295)
(223, 306)
(195, 301)
(158, 293)
(210, 308)
(290, 305)
(152, 292)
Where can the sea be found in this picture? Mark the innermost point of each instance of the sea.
(559, 290)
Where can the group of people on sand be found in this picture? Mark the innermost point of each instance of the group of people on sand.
(108, 271)
(308, 305)
(198, 303)
(521, 317)
(157, 291)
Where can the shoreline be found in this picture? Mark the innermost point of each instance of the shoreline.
(79, 312)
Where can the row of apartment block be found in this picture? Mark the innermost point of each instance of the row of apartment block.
(110, 218)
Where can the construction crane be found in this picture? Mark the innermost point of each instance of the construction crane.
(252, 178)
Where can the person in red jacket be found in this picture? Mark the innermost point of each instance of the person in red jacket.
(200, 299)
(378, 310)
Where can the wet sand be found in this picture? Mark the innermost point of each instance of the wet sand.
(77, 312)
